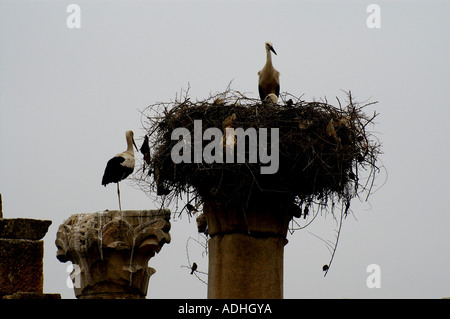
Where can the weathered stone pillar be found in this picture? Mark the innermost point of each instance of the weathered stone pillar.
(21, 258)
(246, 251)
(110, 251)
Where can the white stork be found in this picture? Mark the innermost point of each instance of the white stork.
(121, 165)
(269, 77)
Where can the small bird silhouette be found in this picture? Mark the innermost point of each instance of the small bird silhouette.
(305, 212)
(191, 209)
(325, 267)
(145, 150)
(194, 268)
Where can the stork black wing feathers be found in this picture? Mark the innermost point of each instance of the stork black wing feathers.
(114, 172)
(261, 93)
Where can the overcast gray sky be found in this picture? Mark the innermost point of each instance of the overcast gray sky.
(67, 96)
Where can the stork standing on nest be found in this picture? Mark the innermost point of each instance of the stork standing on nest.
(121, 165)
(269, 78)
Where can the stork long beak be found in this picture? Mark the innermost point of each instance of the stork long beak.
(137, 150)
(272, 49)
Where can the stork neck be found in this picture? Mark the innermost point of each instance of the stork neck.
(130, 146)
(268, 57)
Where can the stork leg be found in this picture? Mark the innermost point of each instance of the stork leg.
(118, 195)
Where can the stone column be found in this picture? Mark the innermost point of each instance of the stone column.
(246, 251)
(110, 251)
(21, 258)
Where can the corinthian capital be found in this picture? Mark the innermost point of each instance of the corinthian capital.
(110, 251)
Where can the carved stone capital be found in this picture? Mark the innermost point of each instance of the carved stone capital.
(110, 251)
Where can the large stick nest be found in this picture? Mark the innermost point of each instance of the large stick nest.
(323, 151)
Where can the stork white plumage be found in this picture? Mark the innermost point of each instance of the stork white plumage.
(271, 98)
(121, 165)
(269, 77)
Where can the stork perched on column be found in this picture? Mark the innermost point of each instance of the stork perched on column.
(269, 78)
(121, 165)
